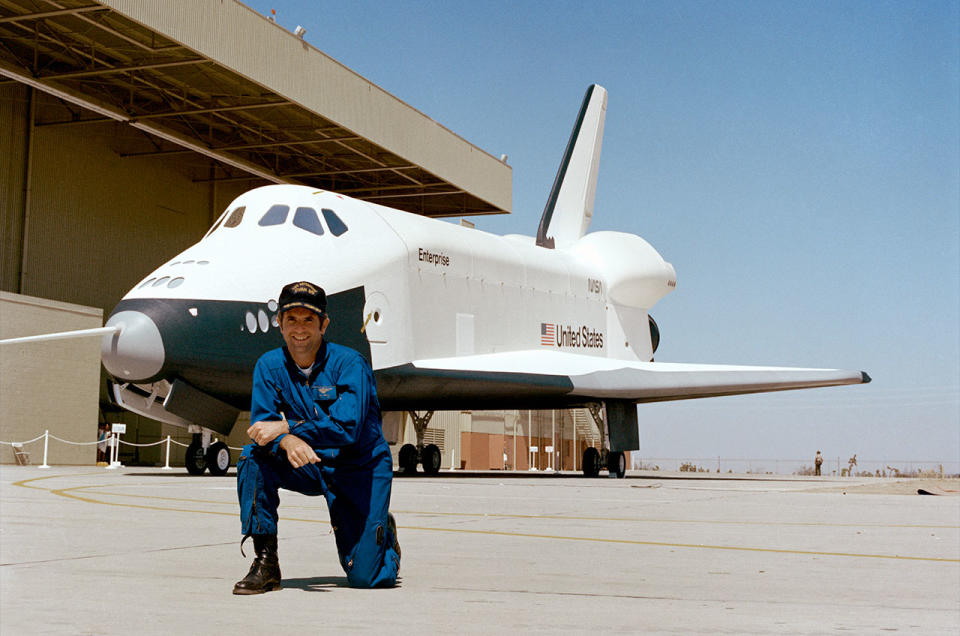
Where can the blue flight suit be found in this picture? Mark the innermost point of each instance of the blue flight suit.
(336, 412)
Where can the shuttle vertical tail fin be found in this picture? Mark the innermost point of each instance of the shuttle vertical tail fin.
(570, 205)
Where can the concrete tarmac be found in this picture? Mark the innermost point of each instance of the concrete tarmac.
(86, 550)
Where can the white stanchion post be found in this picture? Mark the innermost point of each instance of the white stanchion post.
(112, 464)
(116, 429)
(114, 451)
(46, 443)
(166, 465)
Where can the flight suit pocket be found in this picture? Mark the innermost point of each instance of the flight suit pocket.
(323, 397)
(324, 394)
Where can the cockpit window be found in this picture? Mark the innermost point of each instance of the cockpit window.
(275, 215)
(307, 219)
(337, 227)
(235, 217)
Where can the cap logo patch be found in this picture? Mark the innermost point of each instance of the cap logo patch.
(303, 287)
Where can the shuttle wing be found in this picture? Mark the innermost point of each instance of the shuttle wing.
(539, 378)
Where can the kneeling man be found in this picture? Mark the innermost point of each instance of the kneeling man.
(317, 430)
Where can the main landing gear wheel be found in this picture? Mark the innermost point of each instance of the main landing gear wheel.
(218, 459)
(407, 458)
(431, 459)
(617, 464)
(195, 460)
(591, 462)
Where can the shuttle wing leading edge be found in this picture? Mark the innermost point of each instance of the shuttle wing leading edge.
(540, 378)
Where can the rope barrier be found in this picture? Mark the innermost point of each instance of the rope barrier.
(125, 443)
(107, 441)
(156, 443)
(73, 443)
(113, 443)
(27, 442)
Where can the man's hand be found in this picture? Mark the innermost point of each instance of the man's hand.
(298, 451)
(265, 432)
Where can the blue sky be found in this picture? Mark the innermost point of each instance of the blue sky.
(798, 163)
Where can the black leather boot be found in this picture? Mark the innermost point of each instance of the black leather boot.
(393, 528)
(264, 574)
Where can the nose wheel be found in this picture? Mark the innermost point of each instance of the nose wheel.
(218, 459)
(195, 458)
(201, 456)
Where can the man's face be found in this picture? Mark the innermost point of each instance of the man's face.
(302, 332)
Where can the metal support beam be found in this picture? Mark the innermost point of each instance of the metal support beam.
(126, 38)
(106, 70)
(418, 186)
(596, 412)
(406, 194)
(51, 14)
(212, 109)
(294, 142)
(420, 423)
(332, 173)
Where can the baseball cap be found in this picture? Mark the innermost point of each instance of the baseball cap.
(303, 294)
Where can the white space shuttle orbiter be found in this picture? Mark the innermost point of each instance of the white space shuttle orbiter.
(450, 317)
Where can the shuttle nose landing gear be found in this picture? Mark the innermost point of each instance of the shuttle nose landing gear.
(201, 455)
(428, 456)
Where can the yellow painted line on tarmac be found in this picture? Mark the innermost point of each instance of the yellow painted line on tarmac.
(68, 493)
(24, 483)
(688, 545)
(232, 502)
(488, 515)
(705, 521)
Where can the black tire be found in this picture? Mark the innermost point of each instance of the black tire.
(195, 460)
(617, 464)
(591, 462)
(431, 459)
(407, 458)
(218, 459)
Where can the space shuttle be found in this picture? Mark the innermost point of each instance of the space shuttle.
(450, 317)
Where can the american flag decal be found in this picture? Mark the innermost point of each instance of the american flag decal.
(548, 334)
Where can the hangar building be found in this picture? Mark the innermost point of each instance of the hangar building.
(127, 126)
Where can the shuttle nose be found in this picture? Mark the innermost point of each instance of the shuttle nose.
(136, 352)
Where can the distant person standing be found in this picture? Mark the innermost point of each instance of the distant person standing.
(817, 463)
(102, 445)
(853, 462)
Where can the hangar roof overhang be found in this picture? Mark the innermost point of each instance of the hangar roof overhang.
(219, 79)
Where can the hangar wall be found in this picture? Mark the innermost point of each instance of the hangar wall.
(97, 222)
(82, 224)
(48, 385)
(14, 115)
